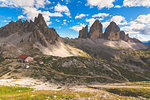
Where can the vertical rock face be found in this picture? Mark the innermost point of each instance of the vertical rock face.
(112, 32)
(12, 27)
(84, 32)
(123, 36)
(42, 33)
(96, 30)
(135, 40)
(39, 31)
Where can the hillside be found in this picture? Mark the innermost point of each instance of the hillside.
(93, 58)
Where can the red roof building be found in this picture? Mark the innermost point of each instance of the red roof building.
(23, 56)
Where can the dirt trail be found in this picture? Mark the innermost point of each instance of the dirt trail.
(110, 86)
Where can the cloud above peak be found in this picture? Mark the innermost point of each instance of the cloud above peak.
(101, 3)
(62, 8)
(136, 3)
(30, 8)
(24, 3)
(120, 20)
(140, 25)
(81, 16)
(101, 15)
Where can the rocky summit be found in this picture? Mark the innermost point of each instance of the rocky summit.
(96, 30)
(95, 57)
(112, 32)
(94, 33)
(25, 31)
(84, 32)
(123, 36)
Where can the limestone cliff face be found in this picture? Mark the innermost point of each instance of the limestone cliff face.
(96, 30)
(123, 36)
(84, 32)
(112, 32)
(39, 31)
(42, 33)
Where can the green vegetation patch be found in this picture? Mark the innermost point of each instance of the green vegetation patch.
(66, 94)
(9, 90)
(135, 92)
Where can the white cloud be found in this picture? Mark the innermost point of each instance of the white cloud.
(62, 8)
(101, 3)
(56, 14)
(78, 27)
(136, 3)
(101, 15)
(41, 3)
(57, 20)
(144, 19)
(105, 24)
(5, 21)
(117, 6)
(23, 3)
(92, 20)
(81, 15)
(139, 25)
(64, 23)
(141, 38)
(120, 20)
(31, 12)
(17, 3)
(30, 8)
(20, 17)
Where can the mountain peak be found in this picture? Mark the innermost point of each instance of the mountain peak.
(40, 20)
(96, 30)
(112, 22)
(112, 32)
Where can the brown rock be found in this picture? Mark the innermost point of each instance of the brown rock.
(96, 30)
(36, 31)
(112, 32)
(84, 32)
(11, 28)
(123, 36)
(41, 32)
(135, 40)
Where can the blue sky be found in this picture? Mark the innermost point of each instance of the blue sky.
(69, 16)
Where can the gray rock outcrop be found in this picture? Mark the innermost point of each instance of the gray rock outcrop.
(84, 32)
(39, 31)
(112, 32)
(123, 36)
(96, 30)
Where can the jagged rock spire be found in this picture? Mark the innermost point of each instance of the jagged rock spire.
(112, 32)
(84, 32)
(123, 36)
(40, 20)
(34, 32)
(96, 30)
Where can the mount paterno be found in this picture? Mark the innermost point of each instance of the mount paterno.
(33, 37)
(36, 37)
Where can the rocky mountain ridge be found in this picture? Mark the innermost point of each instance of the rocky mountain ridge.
(38, 29)
(92, 58)
(112, 32)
